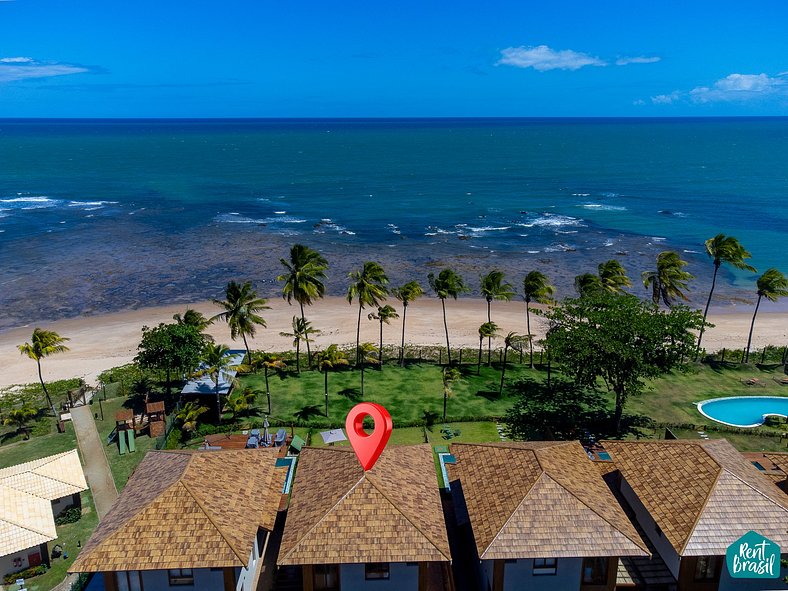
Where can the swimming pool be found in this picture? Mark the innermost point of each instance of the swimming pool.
(743, 411)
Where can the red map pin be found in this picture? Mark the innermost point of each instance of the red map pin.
(368, 447)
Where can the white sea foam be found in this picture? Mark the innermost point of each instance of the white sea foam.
(31, 202)
(581, 194)
(551, 220)
(91, 204)
(488, 229)
(602, 207)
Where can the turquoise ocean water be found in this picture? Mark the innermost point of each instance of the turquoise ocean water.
(105, 215)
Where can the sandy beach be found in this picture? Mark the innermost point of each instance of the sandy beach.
(104, 341)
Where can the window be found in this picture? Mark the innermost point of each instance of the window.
(374, 571)
(180, 576)
(545, 566)
(706, 568)
(326, 577)
(595, 571)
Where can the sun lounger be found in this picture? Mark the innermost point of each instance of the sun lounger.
(253, 442)
(280, 438)
(753, 382)
(783, 381)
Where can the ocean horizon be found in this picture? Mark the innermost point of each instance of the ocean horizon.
(99, 215)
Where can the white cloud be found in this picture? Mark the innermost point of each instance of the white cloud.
(542, 58)
(623, 61)
(22, 68)
(740, 87)
(666, 99)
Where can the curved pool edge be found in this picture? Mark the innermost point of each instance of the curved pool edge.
(700, 404)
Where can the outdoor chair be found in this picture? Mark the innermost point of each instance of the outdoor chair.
(280, 438)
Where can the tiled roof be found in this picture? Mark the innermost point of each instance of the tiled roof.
(703, 495)
(340, 514)
(187, 510)
(25, 520)
(780, 460)
(530, 500)
(50, 478)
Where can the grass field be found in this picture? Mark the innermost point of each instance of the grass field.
(38, 447)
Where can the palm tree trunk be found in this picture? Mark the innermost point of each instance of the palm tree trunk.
(402, 346)
(267, 390)
(46, 392)
(362, 378)
(752, 325)
(503, 369)
(218, 404)
(479, 364)
(446, 327)
(308, 350)
(358, 333)
(248, 352)
(489, 339)
(706, 310)
(326, 390)
(445, 398)
(298, 356)
(528, 326)
(380, 352)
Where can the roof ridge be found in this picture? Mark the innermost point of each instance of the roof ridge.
(407, 517)
(207, 514)
(703, 507)
(25, 527)
(760, 492)
(330, 510)
(638, 543)
(38, 463)
(508, 519)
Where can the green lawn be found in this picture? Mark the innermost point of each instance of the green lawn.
(38, 447)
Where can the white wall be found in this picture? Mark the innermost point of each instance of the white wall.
(401, 576)
(519, 575)
(245, 576)
(7, 562)
(63, 503)
(730, 584)
(663, 546)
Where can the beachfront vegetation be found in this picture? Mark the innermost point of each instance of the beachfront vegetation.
(214, 362)
(384, 315)
(620, 340)
(241, 311)
(448, 284)
(772, 285)
(20, 418)
(368, 286)
(588, 284)
(728, 250)
(488, 330)
(669, 281)
(330, 360)
(406, 294)
(494, 287)
(302, 331)
(171, 348)
(511, 341)
(189, 415)
(43, 344)
(536, 288)
(613, 276)
(192, 317)
(368, 354)
(303, 280)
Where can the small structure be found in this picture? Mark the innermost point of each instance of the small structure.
(31, 496)
(205, 386)
(380, 529)
(156, 418)
(333, 436)
(199, 519)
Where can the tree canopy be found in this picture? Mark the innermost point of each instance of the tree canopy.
(170, 347)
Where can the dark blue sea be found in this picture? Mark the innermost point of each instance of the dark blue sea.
(100, 215)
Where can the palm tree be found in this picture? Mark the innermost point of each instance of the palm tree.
(723, 249)
(189, 416)
(514, 341)
(669, 281)
(493, 287)
(447, 284)
(406, 294)
(302, 330)
(588, 284)
(43, 344)
(307, 412)
(330, 359)
(368, 286)
(271, 361)
(240, 401)
(613, 276)
(193, 318)
(772, 285)
(216, 362)
(536, 288)
(384, 314)
(450, 375)
(488, 330)
(241, 306)
(368, 354)
(20, 417)
(303, 277)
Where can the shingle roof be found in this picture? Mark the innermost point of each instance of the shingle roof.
(536, 499)
(187, 510)
(703, 494)
(340, 514)
(780, 460)
(50, 478)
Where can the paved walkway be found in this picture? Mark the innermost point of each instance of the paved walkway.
(97, 471)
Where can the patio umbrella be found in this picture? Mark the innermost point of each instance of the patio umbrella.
(266, 424)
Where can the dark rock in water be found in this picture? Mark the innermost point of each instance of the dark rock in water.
(665, 212)
(461, 237)
(622, 253)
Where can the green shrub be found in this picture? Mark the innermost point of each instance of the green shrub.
(70, 515)
(28, 573)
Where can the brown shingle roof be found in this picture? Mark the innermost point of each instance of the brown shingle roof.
(780, 460)
(340, 514)
(187, 510)
(702, 494)
(541, 499)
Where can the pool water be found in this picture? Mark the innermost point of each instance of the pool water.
(743, 411)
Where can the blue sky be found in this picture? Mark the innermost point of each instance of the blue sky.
(312, 58)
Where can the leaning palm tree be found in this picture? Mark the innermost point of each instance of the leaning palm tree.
(536, 288)
(514, 341)
(385, 314)
(448, 284)
(668, 282)
(368, 286)
(772, 285)
(723, 249)
(588, 284)
(368, 354)
(493, 287)
(43, 344)
(488, 330)
(330, 359)
(406, 294)
(20, 417)
(303, 277)
(613, 276)
(241, 306)
(216, 363)
(189, 416)
(302, 331)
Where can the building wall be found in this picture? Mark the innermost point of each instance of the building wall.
(63, 503)
(519, 575)
(7, 563)
(245, 576)
(663, 546)
(401, 576)
(156, 580)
